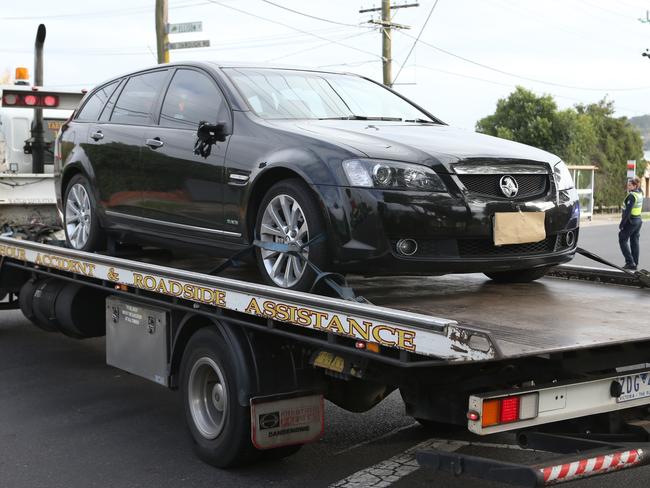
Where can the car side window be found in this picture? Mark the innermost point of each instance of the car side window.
(192, 97)
(136, 101)
(108, 108)
(96, 102)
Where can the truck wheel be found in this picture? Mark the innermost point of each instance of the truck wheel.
(219, 426)
(289, 214)
(518, 276)
(81, 225)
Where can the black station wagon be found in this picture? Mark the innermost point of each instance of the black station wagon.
(324, 166)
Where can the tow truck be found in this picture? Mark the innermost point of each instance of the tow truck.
(558, 361)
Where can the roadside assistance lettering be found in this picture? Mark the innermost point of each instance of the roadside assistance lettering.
(385, 335)
(186, 291)
(66, 264)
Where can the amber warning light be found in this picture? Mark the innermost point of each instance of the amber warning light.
(29, 99)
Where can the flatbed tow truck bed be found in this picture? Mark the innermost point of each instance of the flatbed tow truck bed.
(460, 349)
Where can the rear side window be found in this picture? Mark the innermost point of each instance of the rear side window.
(137, 98)
(108, 108)
(95, 103)
(192, 97)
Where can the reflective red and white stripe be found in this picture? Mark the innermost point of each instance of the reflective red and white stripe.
(591, 466)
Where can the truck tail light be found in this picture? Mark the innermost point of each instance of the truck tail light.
(30, 100)
(509, 409)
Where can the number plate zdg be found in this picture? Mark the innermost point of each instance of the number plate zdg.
(634, 386)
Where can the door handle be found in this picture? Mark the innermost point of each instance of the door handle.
(97, 135)
(154, 143)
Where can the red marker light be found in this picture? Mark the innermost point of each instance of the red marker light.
(360, 345)
(473, 416)
(10, 100)
(509, 410)
(30, 100)
(50, 100)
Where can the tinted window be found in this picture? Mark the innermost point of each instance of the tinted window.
(96, 102)
(137, 98)
(108, 108)
(192, 97)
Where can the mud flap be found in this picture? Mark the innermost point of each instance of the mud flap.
(287, 419)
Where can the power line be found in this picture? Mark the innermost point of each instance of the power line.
(245, 12)
(416, 40)
(358, 34)
(103, 13)
(315, 17)
(514, 75)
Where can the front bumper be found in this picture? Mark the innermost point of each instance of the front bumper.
(453, 232)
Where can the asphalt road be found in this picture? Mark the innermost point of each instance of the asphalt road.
(67, 420)
(602, 239)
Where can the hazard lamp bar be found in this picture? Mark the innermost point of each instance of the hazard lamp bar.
(35, 98)
(593, 458)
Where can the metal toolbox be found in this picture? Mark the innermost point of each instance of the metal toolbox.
(136, 339)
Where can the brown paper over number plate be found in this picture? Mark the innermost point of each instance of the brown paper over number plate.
(518, 228)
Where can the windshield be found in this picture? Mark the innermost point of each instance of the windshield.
(288, 94)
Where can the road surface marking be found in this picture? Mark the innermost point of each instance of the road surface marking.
(385, 473)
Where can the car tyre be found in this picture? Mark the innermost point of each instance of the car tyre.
(303, 222)
(518, 276)
(83, 231)
(219, 426)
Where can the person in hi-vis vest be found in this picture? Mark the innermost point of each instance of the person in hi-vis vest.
(630, 226)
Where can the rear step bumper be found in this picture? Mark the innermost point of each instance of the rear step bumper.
(593, 458)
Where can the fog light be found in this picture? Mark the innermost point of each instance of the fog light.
(407, 247)
(570, 238)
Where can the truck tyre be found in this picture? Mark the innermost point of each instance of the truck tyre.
(518, 276)
(289, 213)
(26, 300)
(81, 223)
(220, 427)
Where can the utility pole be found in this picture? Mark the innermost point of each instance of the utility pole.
(162, 40)
(387, 24)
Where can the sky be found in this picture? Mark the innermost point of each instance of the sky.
(470, 54)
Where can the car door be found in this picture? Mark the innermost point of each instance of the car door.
(184, 189)
(119, 135)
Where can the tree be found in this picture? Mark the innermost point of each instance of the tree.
(583, 135)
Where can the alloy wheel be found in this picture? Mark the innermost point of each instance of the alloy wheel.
(78, 216)
(283, 221)
(208, 397)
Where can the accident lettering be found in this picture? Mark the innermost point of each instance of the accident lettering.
(186, 291)
(65, 264)
(385, 335)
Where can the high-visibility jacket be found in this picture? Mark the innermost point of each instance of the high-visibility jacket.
(638, 204)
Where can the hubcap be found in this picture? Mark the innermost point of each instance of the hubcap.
(208, 397)
(78, 216)
(284, 222)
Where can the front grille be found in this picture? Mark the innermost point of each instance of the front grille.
(530, 186)
(486, 247)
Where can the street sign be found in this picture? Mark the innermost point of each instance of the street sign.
(188, 44)
(631, 168)
(184, 27)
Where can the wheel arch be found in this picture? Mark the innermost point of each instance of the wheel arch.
(265, 181)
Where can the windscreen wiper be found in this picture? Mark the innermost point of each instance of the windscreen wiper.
(362, 117)
(421, 121)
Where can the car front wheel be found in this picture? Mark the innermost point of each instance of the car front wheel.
(289, 215)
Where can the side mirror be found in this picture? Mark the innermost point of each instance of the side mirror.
(211, 133)
(208, 135)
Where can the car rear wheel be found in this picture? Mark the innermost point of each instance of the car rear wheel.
(518, 276)
(289, 215)
(82, 229)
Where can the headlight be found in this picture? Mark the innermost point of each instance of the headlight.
(563, 178)
(376, 173)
